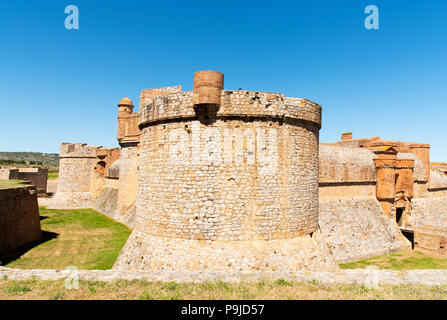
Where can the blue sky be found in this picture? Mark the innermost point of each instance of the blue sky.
(59, 86)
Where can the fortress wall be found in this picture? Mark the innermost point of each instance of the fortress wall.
(146, 252)
(420, 189)
(235, 191)
(431, 239)
(430, 211)
(229, 174)
(37, 176)
(346, 172)
(346, 165)
(19, 218)
(429, 216)
(82, 175)
(76, 167)
(147, 95)
(438, 180)
(347, 190)
(106, 201)
(356, 228)
(127, 185)
(429, 206)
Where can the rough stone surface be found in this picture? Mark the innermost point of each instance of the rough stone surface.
(127, 185)
(419, 170)
(19, 218)
(429, 212)
(438, 180)
(106, 202)
(346, 164)
(145, 252)
(356, 228)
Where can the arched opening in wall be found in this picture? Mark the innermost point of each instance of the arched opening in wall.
(101, 169)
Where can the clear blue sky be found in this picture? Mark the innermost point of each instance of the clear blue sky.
(63, 86)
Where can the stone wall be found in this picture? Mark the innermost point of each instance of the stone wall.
(431, 239)
(127, 186)
(36, 176)
(429, 212)
(346, 172)
(340, 165)
(356, 228)
(438, 180)
(19, 218)
(82, 175)
(106, 201)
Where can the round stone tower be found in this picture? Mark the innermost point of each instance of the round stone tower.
(228, 181)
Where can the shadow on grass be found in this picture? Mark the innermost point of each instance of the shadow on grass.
(17, 253)
(43, 218)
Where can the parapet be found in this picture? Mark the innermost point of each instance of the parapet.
(346, 165)
(241, 104)
(147, 95)
(77, 150)
(438, 180)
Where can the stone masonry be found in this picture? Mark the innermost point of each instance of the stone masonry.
(19, 218)
(228, 180)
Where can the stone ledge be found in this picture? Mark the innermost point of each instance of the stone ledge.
(233, 104)
(431, 277)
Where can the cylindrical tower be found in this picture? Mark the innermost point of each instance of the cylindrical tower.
(125, 108)
(237, 193)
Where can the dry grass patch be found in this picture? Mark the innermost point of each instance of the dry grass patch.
(143, 290)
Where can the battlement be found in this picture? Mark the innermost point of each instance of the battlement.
(147, 95)
(243, 104)
(77, 150)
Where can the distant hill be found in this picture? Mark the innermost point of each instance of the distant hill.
(37, 157)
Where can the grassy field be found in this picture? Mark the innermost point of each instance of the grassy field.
(83, 238)
(53, 175)
(402, 260)
(279, 290)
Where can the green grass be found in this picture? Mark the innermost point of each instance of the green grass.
(263, 290)
(53, 175)
(83, 238)
(5, 184)
(402, 260)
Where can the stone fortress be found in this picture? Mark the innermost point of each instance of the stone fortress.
(212, 179)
